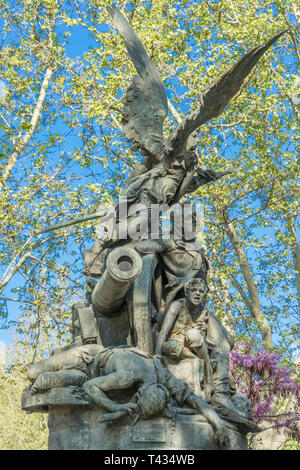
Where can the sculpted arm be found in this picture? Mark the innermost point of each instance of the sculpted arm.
(151, 246)
(141, 169)
(183, 394)
(202, 177)
(207, 411)
(167, 325)
(97, 388)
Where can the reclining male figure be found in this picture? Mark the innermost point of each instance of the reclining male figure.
(131, 381)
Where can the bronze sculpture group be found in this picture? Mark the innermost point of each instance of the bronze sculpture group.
(144, 343)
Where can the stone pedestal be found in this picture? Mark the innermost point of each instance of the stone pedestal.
(79, 429)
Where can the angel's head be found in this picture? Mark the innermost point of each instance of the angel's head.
(146, 105)
(190, 158)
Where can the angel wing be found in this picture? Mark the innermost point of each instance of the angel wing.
(146, 104)
(214, 100)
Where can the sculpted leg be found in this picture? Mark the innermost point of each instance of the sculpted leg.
(222, 393)
(75, 358)
(63, 378)
(197, 344)
(176, 350)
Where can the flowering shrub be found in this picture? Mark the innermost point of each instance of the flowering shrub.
(274, 394)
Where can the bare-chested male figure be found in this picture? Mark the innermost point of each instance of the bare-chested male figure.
(131, 381)
(188, 330)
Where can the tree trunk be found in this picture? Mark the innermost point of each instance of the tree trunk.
(295, 252)
(256, 310)
(220, 295)
(27, 136)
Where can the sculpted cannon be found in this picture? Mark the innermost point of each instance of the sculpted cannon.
(123, 265)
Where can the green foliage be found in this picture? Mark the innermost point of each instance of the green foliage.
(19, 430)
(68, 155)
(63, 153)
(292, 445)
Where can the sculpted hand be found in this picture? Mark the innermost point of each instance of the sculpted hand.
(41, 383)
(128, 407)
(202, 325)
(221, 436)
(156, 172)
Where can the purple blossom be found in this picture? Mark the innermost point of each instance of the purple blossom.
(262, 379)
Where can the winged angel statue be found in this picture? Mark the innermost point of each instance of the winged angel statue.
(170, 169)
(146, 108)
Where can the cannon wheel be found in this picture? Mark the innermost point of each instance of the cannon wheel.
(146, 291)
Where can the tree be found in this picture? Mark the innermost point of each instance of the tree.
(271, 387)
(19, 430)
(63, 151)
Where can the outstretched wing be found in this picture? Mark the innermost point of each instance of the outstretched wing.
(146, 103)
(214, 100)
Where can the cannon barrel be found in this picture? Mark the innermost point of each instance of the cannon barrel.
(123, 265)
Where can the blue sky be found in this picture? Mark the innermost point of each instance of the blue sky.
(80, 42)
